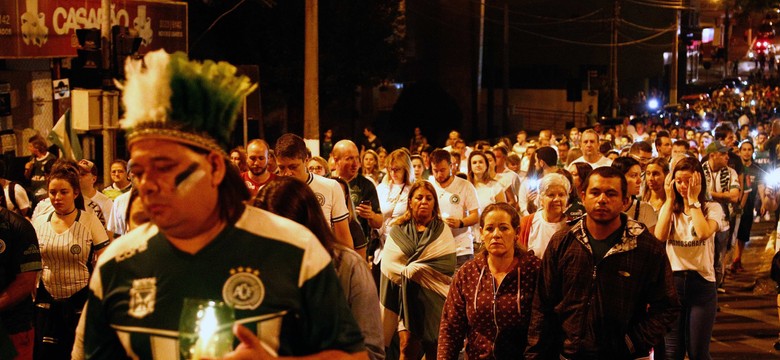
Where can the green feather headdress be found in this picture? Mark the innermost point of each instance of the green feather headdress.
(168, 96)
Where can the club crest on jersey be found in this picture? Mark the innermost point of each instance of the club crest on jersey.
(454, 199)
(143, 295)
(320, 198)
(243, 290)
(75, 249)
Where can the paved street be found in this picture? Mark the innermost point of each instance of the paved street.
(747, 325)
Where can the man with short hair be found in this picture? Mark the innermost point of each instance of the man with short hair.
(546, 163)
(363, 191)
(519, 146)
(461, 148)
(120, 181)
(590, 150)
(257, 173)
(39, 166)
(20, 263)
(506, 177)
(680, 149)
(100, 204)
(458, 204)
(722, 187)
(292, 158)
(14, 196)
(605, 289)
(663, 144)
(563, 153)
(202, 241)
(371, 141)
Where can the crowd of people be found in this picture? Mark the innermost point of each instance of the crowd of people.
(603, 242)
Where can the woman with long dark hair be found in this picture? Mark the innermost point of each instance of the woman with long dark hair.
(418, 262)
(71, 240)
(293, 199)
(636, 209)
(687, 223)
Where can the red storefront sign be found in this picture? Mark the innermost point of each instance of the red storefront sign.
(46, 28)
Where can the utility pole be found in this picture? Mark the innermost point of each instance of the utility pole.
(726, 25)
(107, 94)
(505, 100)
(311, 96)
(614, 59)
(675, 58)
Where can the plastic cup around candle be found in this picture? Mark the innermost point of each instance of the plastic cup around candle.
(205, 329)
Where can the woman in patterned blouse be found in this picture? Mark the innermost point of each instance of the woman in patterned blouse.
(489, 302)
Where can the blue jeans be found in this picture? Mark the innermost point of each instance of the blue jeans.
(693, 329)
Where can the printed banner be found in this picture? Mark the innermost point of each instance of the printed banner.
(46, 28)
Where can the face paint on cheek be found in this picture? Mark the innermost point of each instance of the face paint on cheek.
(187, 178)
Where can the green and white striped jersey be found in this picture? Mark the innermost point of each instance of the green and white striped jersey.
(272, 271)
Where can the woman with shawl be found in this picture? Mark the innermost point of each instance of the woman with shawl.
(418, 262)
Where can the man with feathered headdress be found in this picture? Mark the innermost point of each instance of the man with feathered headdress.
(202, 241)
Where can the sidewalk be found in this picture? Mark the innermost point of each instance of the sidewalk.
(747, 324)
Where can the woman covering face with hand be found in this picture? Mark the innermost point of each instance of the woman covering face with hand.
(688, 223)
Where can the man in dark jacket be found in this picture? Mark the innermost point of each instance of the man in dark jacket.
(605, 289)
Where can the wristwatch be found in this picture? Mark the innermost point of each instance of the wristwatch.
(696, 205)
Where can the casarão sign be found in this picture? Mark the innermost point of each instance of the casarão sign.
(47, 28)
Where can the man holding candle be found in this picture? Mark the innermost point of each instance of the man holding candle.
(202, 242)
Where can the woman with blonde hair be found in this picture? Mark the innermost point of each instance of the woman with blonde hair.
(371, 167)
(318, 165)
(393, 193)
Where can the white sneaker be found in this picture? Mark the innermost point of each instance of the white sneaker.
(757, 219)
(766, 216)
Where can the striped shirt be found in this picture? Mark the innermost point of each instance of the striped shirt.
(65, 256)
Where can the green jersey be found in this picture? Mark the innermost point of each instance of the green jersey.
(272, 271)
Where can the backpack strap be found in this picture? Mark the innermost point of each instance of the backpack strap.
(12, 195)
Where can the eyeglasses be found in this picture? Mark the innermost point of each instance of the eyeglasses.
(394, 169)
(316, 168)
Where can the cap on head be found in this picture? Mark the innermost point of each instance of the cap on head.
(548, 155)
(716, 146)
(167, 96)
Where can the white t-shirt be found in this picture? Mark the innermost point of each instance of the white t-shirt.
(101, 206)
(602, 161)
(19, 194)
(528, 185)
(117, 222)
(455, 201)
(685, 251)
(509, 179)
(647, 215)
(541, 232)
(487, 193)
(393, 199)
(713, 184)
(330, 196)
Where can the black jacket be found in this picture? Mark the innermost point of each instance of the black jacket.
(616, 309)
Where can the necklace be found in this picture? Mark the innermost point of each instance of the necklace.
(68, 213)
